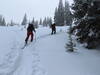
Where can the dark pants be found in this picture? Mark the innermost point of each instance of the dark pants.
(28, 35)
(53, 31)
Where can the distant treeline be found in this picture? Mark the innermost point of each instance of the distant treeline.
(62, 16)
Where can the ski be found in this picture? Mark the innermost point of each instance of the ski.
(24, 46)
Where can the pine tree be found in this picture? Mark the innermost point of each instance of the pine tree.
(3, 22)
(1, 19)
(45, 22)
(56, 16)
(33, 21)
(70, 46)
(12, 23)
(87, 18)
(50, 21)
(59, 14)
(40, 22)
(36, 24)
(67, 14)
(24, 22)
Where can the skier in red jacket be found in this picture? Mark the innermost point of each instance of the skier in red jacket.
(30, 30)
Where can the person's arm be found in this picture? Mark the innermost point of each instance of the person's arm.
(34, 29)
(27, 29)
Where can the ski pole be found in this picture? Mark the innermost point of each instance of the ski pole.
(35, 36)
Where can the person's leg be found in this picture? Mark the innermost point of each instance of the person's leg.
(27, 38)
(52, 31)
(32, 37)
(55, 32)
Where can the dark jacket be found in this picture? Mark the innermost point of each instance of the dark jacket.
(53, 26)
(30, 28)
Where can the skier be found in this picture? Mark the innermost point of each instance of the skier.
(30, 30)
(53, 27)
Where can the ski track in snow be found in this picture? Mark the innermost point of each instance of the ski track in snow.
(27, 61)
(14, 59)
(13, 62)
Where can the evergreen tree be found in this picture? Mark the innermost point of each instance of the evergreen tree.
(3, 22)
(56, 16)
(33, 21)
(40, 22)
(24, 22)
(70, 46)
(1, 19)
(87, 18)
(36, 24)
(50, 21)
(45, 22)
(12, 23)
(59, 14)
(67, 14)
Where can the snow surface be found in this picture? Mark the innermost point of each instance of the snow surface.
(46, 55)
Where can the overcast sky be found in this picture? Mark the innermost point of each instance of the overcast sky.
(15, 9)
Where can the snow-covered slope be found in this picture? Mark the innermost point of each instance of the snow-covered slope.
(46, 55)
